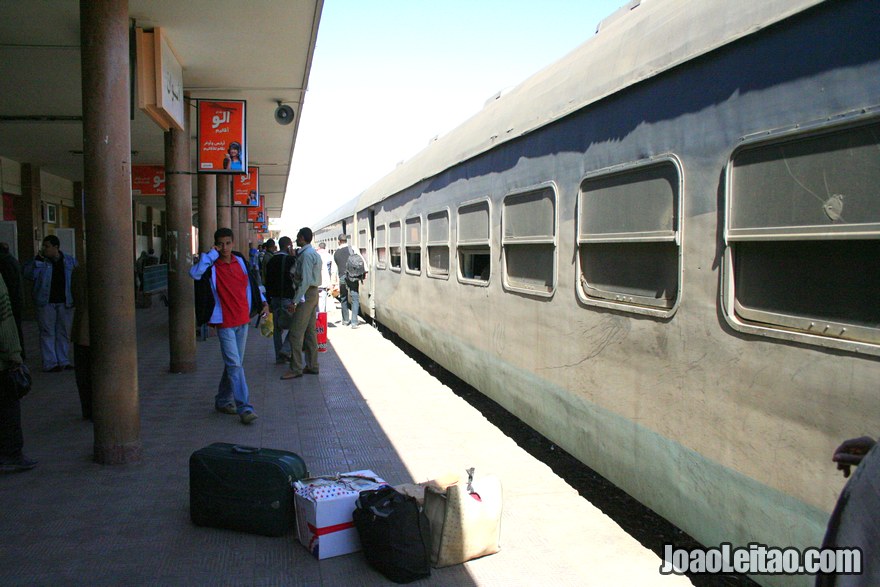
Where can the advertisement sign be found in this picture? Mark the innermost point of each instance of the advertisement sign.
(148, 180)
(246, 188)
(256, 215)
(222, 138)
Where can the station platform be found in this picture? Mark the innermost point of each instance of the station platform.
(73, 522)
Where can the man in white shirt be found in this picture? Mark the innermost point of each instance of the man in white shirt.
(306, 279)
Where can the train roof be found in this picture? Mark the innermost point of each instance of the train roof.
(635, 43)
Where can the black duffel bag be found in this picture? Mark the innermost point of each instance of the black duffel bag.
(395, 534)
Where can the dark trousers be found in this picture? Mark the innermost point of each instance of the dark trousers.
(83, 379)
(11, 441)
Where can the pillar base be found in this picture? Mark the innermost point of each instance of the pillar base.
(118, 454)
(183, 367)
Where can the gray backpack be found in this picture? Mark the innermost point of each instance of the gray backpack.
(354, 267)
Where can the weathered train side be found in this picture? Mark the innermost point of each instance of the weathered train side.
(600, 275)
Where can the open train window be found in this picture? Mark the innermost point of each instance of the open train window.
(528, 239)
(414, 245)
(381, 248)
(438, 244)
(474, 251)
(394, 244)
(629, 240)
(803, 237)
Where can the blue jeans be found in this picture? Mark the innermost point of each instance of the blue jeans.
(278, 305)
(233, 387)
(55, 321)
(343, 301)
(355, 296)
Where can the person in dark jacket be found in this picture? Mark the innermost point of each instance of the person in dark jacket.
(10, 269)
(12, 459)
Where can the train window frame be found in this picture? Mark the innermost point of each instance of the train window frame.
(364, 242)
(391, 246)
(437, 244)
(532, 241)
(656, 239)
(467, 250)
(839, 238)
(381, 247)
(409, 244)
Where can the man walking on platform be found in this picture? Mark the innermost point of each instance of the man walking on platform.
(233, 300)
(340, 257)
(50, 271)
(306, 279)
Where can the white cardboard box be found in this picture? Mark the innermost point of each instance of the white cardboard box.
(324, 509)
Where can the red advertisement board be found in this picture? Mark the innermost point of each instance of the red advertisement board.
(222, 136)
(147, 180)
(246, 188)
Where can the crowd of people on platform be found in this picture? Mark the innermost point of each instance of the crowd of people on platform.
(294, 285)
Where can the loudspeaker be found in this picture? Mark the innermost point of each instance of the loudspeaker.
(284, 114)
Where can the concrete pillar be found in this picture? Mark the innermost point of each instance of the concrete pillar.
(77, 221)
(224, 202)
(233, 222)
(178, 198)
(28, 213)
(207, 210)
(107, 173)
(243, 237)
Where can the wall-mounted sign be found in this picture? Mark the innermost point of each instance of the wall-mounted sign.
(146, 78)
(222, 136)
(246, 188)
(169, 80)
(147, 180)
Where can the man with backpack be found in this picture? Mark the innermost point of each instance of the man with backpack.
(351, 270)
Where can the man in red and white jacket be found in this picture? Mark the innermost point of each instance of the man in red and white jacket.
(232, 311)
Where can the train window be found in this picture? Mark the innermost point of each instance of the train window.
(629, 246)
(381, 248)
(474, 252)
(394, 244)
(438, 244)
(364, 242)
(803, 236)
(529, 241)
(414, 245)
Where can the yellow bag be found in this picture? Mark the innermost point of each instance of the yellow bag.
(267, 327)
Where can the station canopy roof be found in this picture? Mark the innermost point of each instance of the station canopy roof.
(255, 51)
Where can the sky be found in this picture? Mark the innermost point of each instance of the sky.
(389, 75)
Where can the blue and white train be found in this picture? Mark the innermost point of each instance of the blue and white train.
(663, 253)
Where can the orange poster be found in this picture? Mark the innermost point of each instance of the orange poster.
(148, 180)
(222, 140)
(246, 188)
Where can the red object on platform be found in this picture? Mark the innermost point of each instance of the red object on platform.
(321, 331)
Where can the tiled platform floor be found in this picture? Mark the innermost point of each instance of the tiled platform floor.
(73, 522)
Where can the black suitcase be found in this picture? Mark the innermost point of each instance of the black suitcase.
(395, 534)
(244, 488)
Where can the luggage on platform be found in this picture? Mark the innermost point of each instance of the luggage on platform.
(395, 534)
(244, 488)
(465, 519)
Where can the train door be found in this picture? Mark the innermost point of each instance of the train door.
(373, 261)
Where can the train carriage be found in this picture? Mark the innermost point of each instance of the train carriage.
(661, 252)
